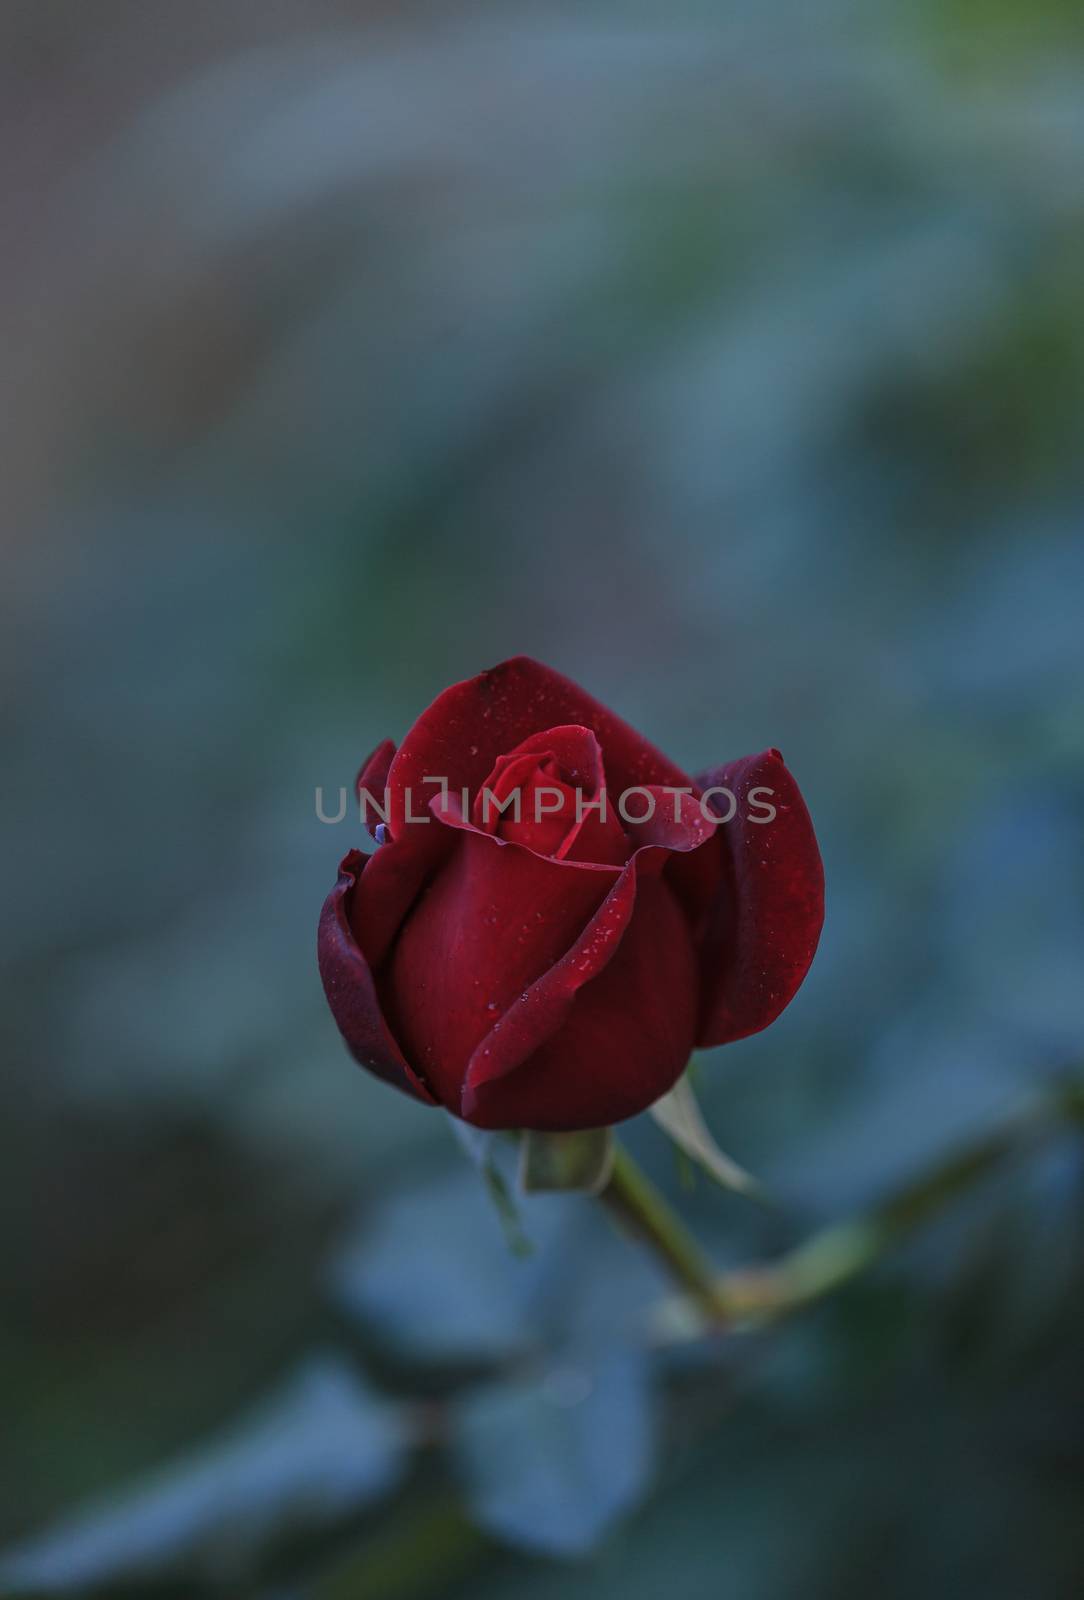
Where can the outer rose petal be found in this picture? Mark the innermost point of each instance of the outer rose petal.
(605, 1031)
(490, 922)
(677, 821)
(373, 780)
(762, 932)
(467, 727)
(394, 878)
(351, 993)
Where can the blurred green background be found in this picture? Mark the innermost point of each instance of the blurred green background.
(731, 360)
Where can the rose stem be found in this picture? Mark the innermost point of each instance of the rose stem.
(836, 1254)
(843, 1250)
(638, 1207)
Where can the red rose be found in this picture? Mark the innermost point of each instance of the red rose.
(554, 969)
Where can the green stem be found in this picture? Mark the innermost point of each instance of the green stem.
(758, 1294)
(638, 1207)
(844, 1249)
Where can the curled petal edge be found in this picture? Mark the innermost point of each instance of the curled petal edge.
(467, 727)
(372, 779)
(763, 928)
(351, 991)
(542, 1008)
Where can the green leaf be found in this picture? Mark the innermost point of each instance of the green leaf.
(680, 1118)
(550, 1460)
(552, 1162)
(314, 1454)
(463, 1303)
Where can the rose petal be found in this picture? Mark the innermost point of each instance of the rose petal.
(598, 837)
(763, 928)
(566, 760)
(351, 992)
(489, 923)
(676, 822)
(471, 724)
(373, 780)
(393, 879)
(603, 851)
(573, 747)
(547, 811)
(509, 777)
(695, 869)
(606, 1031)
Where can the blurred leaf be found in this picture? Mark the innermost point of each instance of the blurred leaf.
(552, 1460)
(680, 1118)
(308, 1459)
(1003, 29)
(429, 1272)
(553, 1162)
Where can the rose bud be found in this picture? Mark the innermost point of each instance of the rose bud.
(558, 914)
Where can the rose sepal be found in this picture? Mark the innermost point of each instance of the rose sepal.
(556, 1163)
(679, 1116)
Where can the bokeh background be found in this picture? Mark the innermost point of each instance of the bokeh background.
(730, 359)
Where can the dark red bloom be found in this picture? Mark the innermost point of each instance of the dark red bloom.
(547, 933)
